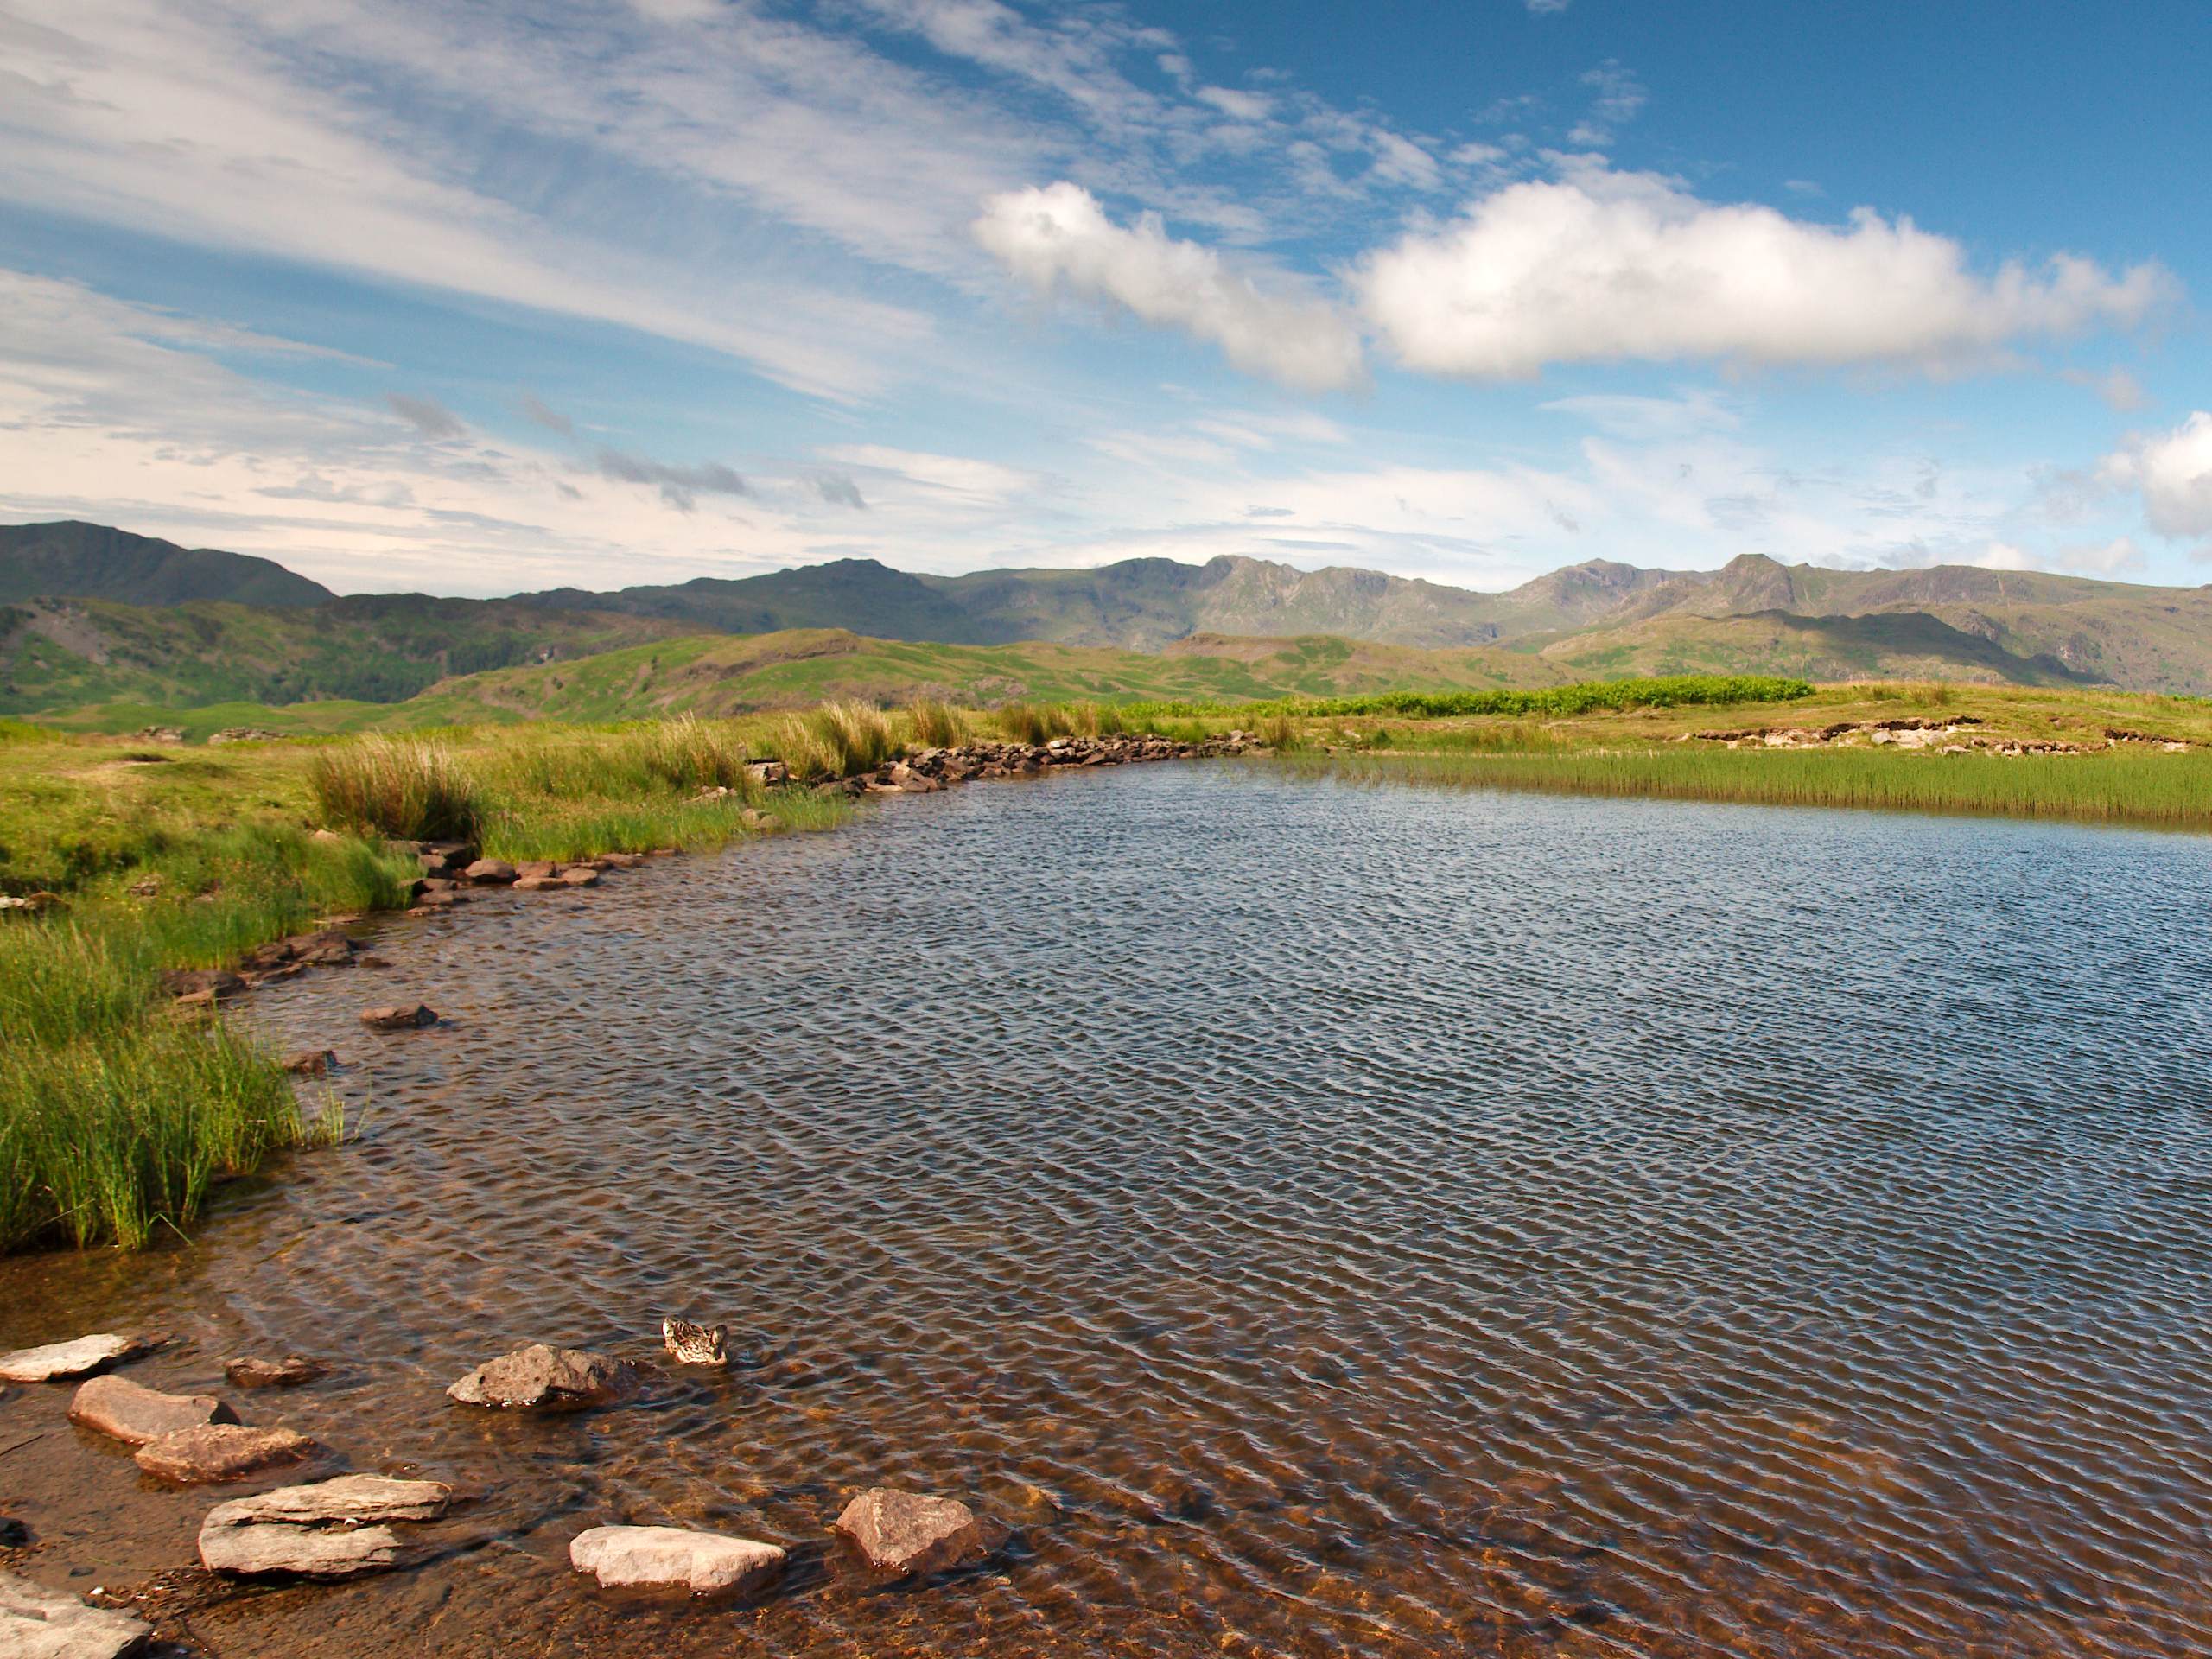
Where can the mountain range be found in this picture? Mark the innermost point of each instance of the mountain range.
(89, 613)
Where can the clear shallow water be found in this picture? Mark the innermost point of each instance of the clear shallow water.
(1323, 1221)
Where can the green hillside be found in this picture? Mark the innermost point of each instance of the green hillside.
(713, 674)
(63, 654)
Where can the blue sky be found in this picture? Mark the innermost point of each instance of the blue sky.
(484, 298)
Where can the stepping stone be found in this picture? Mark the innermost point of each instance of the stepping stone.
(908, 1533)
(121, 1410)
(406, 1018)
(554, 1377)
(326, 1529)
(218, 1451)
(286, 1373)
(58, 1362)
(673, 1558)
(36, 1624)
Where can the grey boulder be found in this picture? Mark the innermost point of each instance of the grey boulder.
(327, 1529)
(673, 1558)
(36, 1624)
(545, 1377)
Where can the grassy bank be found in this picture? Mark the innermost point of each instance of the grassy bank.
(115, 1116)
(2118, 770)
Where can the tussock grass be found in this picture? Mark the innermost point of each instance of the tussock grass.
(1556, 702)
(403, 787)
(935, 724)
(2154, 790)
(1032, 723)
(852, 737)
(113, 1122)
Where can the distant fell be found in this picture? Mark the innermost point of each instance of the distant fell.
(69, 559)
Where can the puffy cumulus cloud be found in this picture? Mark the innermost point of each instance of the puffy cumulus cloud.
(2173, 471)
(1059, 236)
(1604, 266)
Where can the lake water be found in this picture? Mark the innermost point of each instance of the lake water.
(1323, 1221)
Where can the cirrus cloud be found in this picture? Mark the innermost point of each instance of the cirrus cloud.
(1604, 266)
(1059, 236)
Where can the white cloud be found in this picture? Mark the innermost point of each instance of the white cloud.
(2173, 471)
(1546, 7)
(1058, 236)
(1600, 266)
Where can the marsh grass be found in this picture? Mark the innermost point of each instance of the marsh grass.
(852, 737)
(2153, 790)
(935, 724)
(404, 787)
(1033, 722)
(113, 1122)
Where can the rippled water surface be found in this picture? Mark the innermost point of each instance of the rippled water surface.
(1323, 1221)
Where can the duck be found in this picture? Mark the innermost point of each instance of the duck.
(694, 1344)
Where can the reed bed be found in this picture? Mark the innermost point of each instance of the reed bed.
(935, 724)
(406, 787)
(2154, 790)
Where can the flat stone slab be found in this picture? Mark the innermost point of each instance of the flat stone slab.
(218, 1451)
(673, 1558)
(908, 1533)
(286, 1373)
(325, 1529)
(555, 1378)
(58, 1362)
(121, 1409)
(37, 1624)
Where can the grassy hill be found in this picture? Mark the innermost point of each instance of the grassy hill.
(69, 559)
(713, 674)
(61, 654)
(1906, 646)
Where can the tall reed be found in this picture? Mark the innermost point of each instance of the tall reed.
(855, 737)
(935, 723)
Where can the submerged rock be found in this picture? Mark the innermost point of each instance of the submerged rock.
(694, 1344)
(286, 1373)
(60, 1362)
(541, 1376)
(219, 1452)
(37, 1624)
(121, 1410)
(399, 1017)
(216, 982)
(673, 1558)
(909, 1532)
(310, 1063)
(327, 1529)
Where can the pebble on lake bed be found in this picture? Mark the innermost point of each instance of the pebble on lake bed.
(121, 1410)
(286, 1373)
(37, 1624)
(909, 1532)
(60, 1362)
(673, 1558)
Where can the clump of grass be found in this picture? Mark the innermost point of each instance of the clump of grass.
(853, 737)
(1279, 733)
(690, 753)
(1032, 723)
(935, 724)
(114, 1122)
(403, 788)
